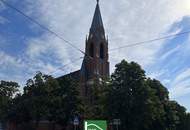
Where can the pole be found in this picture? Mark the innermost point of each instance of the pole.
(75, 127)
(117, 127)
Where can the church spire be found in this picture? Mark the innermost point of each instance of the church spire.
(96, 62)
(97, 22)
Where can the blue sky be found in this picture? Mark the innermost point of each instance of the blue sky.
(25, 48)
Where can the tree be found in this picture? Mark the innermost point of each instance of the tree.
(35, 93)
(44, 98)
(7, 92)
(55, 100)
(129, 98)
(187, 122)
(161, 98)
(69, 103)
(140, 102)
(19, 112)
(170, 114)
(94, 108)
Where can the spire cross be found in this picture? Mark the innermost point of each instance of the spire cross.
(97, 1)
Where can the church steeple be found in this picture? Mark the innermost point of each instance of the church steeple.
(97, 48)
(97, 23)
(95, 65)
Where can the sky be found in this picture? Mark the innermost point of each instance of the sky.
(25, 48)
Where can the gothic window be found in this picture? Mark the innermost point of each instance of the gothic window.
(91, 50)
(101, 51)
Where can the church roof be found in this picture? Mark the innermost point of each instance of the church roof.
(73, 75)
(97, 19)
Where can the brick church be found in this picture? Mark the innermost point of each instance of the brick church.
(95, 65)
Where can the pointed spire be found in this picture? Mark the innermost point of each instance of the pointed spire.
(97, 19)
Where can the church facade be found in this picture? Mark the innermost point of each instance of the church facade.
(95, 65)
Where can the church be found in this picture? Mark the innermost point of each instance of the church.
(95, 65)
(94, 68)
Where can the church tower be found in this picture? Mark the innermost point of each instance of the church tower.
(95, 65)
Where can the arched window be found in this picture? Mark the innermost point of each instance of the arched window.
(101, 51)
(91, 50)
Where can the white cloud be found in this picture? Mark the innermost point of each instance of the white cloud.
(166, 81)
(2, 6)
(181, 84)
(19, 70)
(158, 74)
(125, 22)
(48, 48)
(186, 46)
(185, 74)
(170, 52)
(7, 60)
(11, 68)
(3, 20)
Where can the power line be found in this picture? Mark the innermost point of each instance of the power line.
(62, 67)
(40, 25)
(149, 41)
(66, 41)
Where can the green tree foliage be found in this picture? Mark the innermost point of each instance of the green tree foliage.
(7, 92)
(187, 122)
(141, 103)
(175, 115)
(66, 101)
(94, 108)
(45, 98)
(35, 92)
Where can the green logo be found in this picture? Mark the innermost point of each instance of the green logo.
(95, 125)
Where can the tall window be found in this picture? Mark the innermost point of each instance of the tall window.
(101, 51)
(91, 50)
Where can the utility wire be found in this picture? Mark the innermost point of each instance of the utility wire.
(64, 66)
(66, 41)
(40, 25)
(149, 41)
(71, 62)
